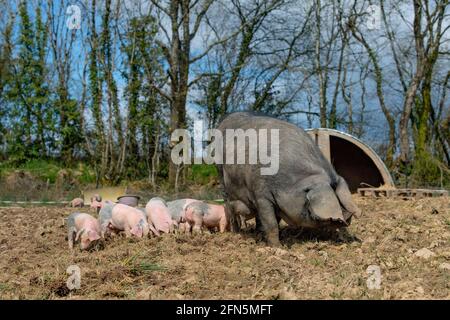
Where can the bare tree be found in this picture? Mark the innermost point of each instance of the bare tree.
(354, 26)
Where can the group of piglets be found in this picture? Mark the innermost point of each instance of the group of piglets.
(158, 217)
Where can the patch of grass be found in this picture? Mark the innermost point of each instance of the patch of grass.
(316, 262)
(4, 287)
(42, 169)
(144, 267)
(140, 267)
(47, 170)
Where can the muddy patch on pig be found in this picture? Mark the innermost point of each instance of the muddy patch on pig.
(34, 257)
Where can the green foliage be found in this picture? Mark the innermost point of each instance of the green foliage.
(47, 170)
(31, 114)
(5, 75)
(144, 107)
(427, 171)
(44, 170)
(210, 100)
(95, 84)
(203, 173)
(87, 174)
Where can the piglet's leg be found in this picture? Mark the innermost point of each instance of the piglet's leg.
(223, 224)
(70, 234)
(187, 227)
(171, 226)
(153, 230)
(182, 227)
(103, 228)
(127, 232)
(198, 222)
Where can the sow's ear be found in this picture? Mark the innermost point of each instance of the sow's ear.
(323, 204)
(345, 198)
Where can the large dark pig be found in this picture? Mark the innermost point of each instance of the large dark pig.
(305, 191)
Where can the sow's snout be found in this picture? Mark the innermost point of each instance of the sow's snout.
(323, 205)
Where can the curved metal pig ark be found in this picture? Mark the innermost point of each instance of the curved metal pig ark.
(305, 191)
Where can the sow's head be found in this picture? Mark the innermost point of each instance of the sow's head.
(331, 205)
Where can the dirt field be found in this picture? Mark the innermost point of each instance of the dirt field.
(34, 258)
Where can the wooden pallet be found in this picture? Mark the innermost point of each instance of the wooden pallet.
(401, 193)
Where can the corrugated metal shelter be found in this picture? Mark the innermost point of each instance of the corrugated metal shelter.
(353, 159)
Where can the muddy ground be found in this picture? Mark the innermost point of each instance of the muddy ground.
(34, 258)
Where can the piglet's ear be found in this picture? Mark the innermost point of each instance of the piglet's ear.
(79, 233)
(137, 231)
(93, 236)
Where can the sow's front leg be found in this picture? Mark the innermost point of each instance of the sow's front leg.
(269, 222)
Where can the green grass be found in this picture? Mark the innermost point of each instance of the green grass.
(47, 170)
(41, 177)
(3, 287)
(144, 267)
